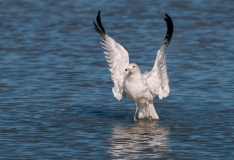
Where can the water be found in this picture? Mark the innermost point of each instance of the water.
(55, 88)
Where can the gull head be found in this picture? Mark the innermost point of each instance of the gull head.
(133, 68)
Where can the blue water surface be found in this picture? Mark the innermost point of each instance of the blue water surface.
(55, 88)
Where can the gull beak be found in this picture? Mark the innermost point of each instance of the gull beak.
(127, 69)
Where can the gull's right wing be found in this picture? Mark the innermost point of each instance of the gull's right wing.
(116, 56)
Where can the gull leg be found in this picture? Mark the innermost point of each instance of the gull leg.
(134, 118)
(150, 118)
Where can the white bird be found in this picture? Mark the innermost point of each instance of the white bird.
(128, 79)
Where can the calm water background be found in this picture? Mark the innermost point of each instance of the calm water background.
(55, 87)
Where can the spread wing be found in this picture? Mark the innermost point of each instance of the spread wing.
(116, 56)
(157, 79)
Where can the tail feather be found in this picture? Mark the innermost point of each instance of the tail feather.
(143, 111)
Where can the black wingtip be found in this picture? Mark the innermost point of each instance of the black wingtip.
(170, 28)
(99, 27)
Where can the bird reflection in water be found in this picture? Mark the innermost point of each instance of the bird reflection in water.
(144, 140)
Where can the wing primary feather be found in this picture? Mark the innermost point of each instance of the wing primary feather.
(99, 27)
(100, 22)
(169, 29)
(99, 31)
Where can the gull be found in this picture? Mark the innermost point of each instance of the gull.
(127, 77)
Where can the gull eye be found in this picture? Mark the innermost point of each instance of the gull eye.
(133, 66)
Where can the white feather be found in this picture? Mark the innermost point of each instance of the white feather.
(157, 79)
(118, 60)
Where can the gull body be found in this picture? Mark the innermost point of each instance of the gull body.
(134, 85)
(137, 90)
(128, 79)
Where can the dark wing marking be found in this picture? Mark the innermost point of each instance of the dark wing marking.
(170, 27)
(99, 28)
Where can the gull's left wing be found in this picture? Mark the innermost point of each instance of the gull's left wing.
(117, 58)
(157, 79)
